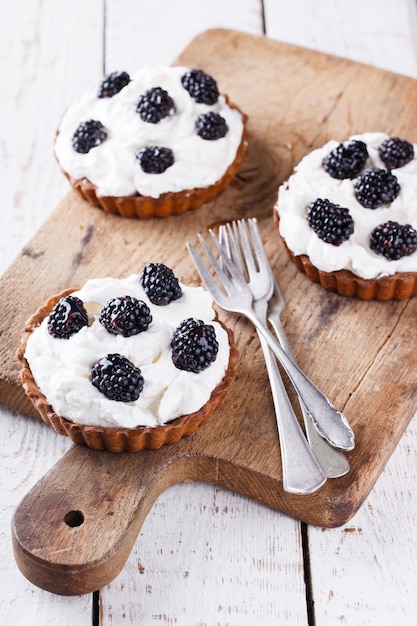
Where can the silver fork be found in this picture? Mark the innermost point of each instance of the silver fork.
(236, 236)
(236, 296)
(301, 473)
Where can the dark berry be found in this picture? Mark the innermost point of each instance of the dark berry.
(67, 317)
(155, 159)
(88, 135)
(117, 378)
(393, 240)
(395, 152)
(331, 222)
(347, 160)
(125, 316)
(112, 84)
(194, 345)
(200, 86)
(160, 284)
(211, 126)
(375, 188)
(154, 105)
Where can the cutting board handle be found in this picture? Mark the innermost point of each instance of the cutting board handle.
(73, 532)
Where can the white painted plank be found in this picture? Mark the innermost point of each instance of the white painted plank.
(208, 556)
(43, 47)
(141, 32)
(368, 575)
(42, 53)
(382, 33)
(28, 447)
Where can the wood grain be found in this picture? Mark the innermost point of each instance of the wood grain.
(349, 348)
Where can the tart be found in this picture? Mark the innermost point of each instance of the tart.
(348, 216)
(124, 365)
(158, 142)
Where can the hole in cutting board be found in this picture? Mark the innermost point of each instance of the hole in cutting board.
(73, 518)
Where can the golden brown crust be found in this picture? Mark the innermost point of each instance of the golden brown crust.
(118, 439)
(396, 287)
(172, 203)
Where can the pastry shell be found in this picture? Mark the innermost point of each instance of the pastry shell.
(396, 287)
(118, 439)
(170, 203)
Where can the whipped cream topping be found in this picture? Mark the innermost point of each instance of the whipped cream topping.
(310, 181)
(112, 166)
(61, 367)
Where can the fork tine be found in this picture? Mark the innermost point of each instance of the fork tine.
(226, 240)
(223, 240)
(263, 261)
(234, 248)
(230, 278)
(247, 248)
(254, 257)
(228, 244)
(230, 238)
(279, 299)
(205, 275)
(233, 270)
(224, 279)
(222, 237)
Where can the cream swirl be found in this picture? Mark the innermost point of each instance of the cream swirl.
(112, 166)
(310, 181)
(61, 367)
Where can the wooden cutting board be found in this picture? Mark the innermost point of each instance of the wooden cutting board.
(73, 532)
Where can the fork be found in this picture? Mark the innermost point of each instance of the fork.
(236, 237)
(301, 473)
(237, 297)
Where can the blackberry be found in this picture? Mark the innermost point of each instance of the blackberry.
(211, 126)
(154, 105)
(112, 84)
(347, 160)
(331, 222)
(393, 240)
(88, 135)
(160, 284)
(194, 345)
(125, 316)
(155, 159)
(201, 87)
(375, 188)
(395, 152)
(117, 378)
(67, 317)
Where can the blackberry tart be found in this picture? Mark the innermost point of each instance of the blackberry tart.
(155, 143)
(348, 216)
(127, 364)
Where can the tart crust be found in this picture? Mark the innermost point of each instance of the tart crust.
(170, 203)
(118, 439)
(400, 286)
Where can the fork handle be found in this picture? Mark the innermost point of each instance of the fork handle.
(330, 422)
(301, 473)
(332, 460)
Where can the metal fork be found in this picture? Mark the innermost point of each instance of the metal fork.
(301, 472)
(236, 236)
(237, 297)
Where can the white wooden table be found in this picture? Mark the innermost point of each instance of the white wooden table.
(204, 556)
